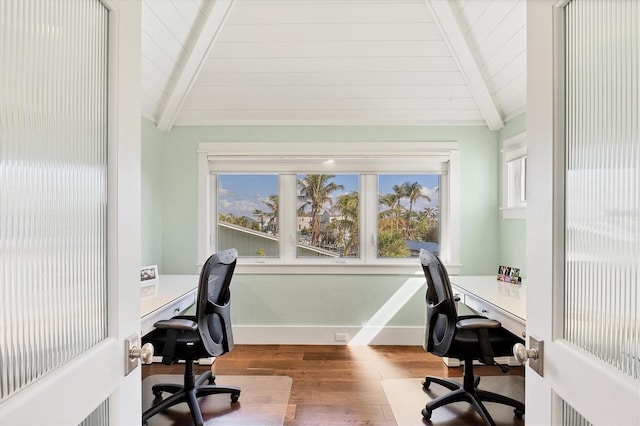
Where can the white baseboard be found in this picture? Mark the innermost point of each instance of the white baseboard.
(317, 335)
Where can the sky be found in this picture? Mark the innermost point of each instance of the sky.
(242, 194)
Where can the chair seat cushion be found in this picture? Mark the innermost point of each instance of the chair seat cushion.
(466, 344)
(188, 344)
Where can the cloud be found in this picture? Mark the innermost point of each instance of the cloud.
(239, 207)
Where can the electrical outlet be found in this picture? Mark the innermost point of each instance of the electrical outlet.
(342, 337)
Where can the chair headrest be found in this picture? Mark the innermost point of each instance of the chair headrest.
(428, 259)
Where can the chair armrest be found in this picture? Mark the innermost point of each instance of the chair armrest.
(475, 323)
(177, 324)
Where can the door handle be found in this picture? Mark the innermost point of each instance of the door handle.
(145, 353)
(521, 353)
(534, 354)
(132, 353)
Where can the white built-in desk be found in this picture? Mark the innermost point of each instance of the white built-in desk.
(504, 302)
(495, 299)
(167, 297)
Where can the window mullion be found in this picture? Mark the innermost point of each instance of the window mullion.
(368, 214)
(288, 218)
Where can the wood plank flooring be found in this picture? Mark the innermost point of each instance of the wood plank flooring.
(333, 384)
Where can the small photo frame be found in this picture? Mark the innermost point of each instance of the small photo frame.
(515, 275)
(509, 274)
(148, 275)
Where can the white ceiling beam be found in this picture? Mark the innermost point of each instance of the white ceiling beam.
(449, 25)
(204, 37)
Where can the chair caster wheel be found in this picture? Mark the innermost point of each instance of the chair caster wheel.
(234, 397)
(518, 413)
(476, 382)
(426, 413)
(426, 383)
(157, 394)
(212, 380)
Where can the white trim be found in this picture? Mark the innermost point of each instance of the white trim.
(325, 335)
(342, 149)
(205, 118)
(513, 148)
(205, 37)
(365, 158)
(450, 207)
(204, 207)
(124, 206)
(455, 39)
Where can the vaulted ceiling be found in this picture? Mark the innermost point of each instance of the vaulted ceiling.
(333, 62)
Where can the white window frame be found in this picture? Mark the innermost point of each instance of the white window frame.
(366, 159)
(513, 149)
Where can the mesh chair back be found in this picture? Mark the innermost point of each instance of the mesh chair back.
(213, 304)
(441, 306)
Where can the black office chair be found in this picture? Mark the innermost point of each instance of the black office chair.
(468, 338)
(190, 338)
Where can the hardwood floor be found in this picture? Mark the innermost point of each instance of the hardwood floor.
(333, 384)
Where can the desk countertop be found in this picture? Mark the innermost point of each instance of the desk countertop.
(164, 290)
(509, 297)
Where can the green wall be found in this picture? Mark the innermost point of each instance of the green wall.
(303, 300)
(151, 178)
(512, 232)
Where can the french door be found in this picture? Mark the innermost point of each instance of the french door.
(583, 239)
(69, 211)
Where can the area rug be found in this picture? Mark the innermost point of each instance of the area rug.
(407, 399)
(263, 401)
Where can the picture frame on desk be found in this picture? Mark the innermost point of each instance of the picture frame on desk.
(148, 280)
(148, 275)
(509, 274)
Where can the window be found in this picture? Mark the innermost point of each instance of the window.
(328, 211)
(289, 208)
(514, 177)
(248, 214)
(408, 215)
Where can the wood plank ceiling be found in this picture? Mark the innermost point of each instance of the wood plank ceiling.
(333, 62)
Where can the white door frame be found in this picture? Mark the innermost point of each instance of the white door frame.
(601, 394)
(71, 392)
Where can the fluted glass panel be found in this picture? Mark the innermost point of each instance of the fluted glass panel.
(570, 417)
(53, 185)
(602, 235)
(99, 416)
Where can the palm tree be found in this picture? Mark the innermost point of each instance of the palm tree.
(315, 191)
(272, 204)
(413, 191)
(392, 201)
(349, 206)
